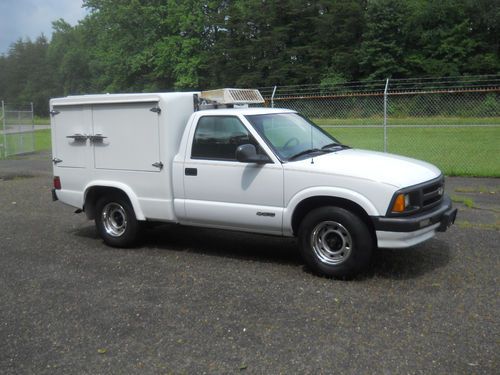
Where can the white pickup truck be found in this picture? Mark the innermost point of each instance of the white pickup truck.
(130, 158)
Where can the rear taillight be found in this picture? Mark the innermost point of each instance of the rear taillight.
(57, 183)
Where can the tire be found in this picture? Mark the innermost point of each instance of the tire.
(115, 221)
(335, 242)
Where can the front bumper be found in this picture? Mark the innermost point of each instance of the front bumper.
(444, 215)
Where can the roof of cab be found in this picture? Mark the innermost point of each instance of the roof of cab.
(243, 111)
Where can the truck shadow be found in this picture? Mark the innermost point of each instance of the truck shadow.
(237, 245)
(395, 264)
(405, 264)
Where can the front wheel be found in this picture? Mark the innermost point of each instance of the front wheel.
(335, 242)
(115, 221)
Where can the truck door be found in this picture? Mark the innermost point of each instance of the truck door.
(222, 192)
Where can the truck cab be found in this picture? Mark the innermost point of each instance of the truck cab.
(125, 159)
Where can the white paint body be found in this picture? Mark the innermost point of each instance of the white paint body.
(223, 194)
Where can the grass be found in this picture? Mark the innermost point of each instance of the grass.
(468, 225)
(478, 189)
(434, 120)
(456, 151)
(37, 120)
(41, 120)
(467, 202)
(42, 141)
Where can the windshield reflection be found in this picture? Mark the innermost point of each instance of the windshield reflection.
(291, 135)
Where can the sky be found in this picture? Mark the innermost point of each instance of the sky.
(29, 18)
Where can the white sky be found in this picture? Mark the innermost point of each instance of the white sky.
(29, 18)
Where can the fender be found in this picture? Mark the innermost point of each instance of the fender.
(123, 187)
(327, 191)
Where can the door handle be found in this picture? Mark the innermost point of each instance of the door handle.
(191, 172)
(78, 137)
(96, 138)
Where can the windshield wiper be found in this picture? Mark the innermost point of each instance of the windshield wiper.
(308, 151)
(334, 144)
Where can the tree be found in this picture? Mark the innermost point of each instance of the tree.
(152, 45)
(26, 75)
(381, 53)
(68, 55)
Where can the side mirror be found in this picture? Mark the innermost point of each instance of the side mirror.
(247, 153)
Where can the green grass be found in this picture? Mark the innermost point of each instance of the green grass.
(456, 151)
(468, 225)
(42, 141)
(26, 120)
(436, 120)
(478, 189)
(467, 202)
(41, 120)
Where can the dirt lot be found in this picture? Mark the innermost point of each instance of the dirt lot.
(199, 301)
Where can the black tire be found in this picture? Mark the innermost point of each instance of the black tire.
(115, 221)
(335, 242)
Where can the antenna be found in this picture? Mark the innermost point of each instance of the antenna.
(312, 157)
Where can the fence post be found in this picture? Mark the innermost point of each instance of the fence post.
(4, 131)
(21, 135)
(32, 128)
(272, 97)
(385, 114)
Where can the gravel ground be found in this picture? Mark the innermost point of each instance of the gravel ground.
(197, 301)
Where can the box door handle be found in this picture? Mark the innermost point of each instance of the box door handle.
(78, 137)
(96, 138)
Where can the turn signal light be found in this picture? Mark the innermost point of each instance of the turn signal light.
(399, 203)
(57, 183)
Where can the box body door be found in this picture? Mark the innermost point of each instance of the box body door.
(71, 126)
(126, 136)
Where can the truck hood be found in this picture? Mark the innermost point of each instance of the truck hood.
(395, 170)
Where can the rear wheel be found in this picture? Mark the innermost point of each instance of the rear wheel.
(115, 221)
(335, 242)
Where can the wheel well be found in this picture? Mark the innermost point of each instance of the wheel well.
(309, 204)
(94, 193)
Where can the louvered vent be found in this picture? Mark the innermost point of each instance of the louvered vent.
(232, 96)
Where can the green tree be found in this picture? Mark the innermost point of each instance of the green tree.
(340, 27)
(26, 75)
(151, 45)
(69, 58)
(452, 37)
(381, 53)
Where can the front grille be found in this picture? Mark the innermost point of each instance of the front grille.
(432, 194)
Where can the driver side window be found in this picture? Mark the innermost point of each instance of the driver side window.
(217, 137)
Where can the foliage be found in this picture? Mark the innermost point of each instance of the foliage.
(149, 45)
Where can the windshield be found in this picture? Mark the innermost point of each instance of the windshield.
(291, 135)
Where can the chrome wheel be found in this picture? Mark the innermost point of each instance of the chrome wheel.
(114, 219)
(331, 242)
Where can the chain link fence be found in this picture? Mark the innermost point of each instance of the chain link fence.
(17, 131)
(453, 123)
